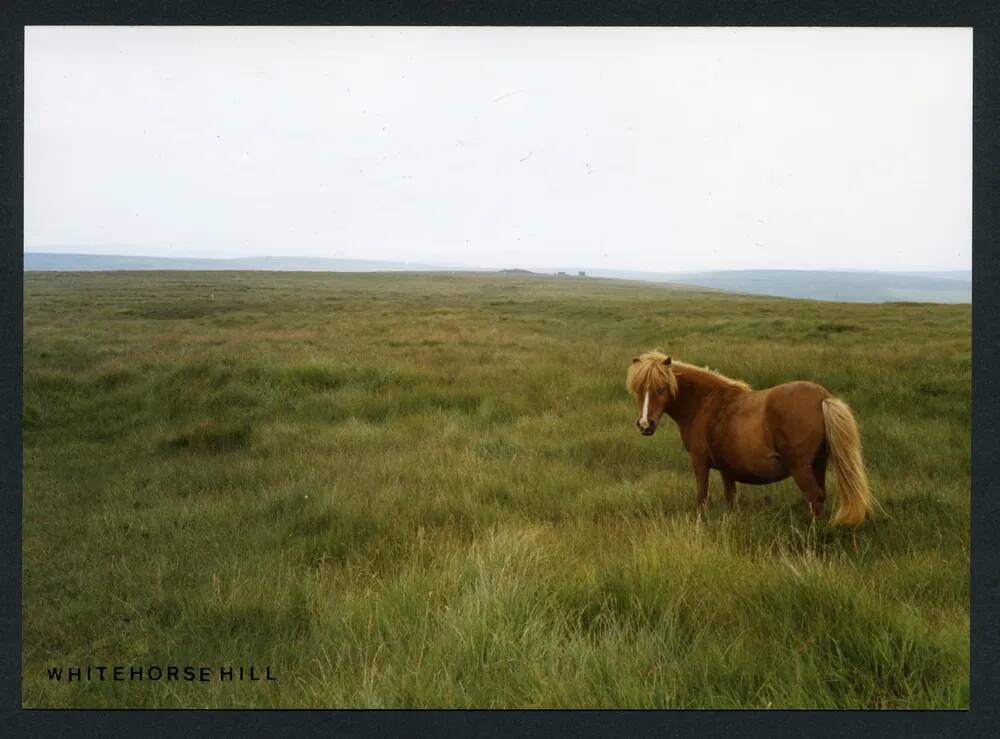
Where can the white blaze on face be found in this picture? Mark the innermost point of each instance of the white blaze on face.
(644, 421)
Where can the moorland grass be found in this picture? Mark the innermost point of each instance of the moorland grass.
(416, 490)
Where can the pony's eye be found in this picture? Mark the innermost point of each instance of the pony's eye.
(659, 391)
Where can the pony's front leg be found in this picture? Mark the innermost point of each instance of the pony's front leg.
(700, 465)
(732, 496)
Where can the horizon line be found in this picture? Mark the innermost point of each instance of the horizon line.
(453, 267)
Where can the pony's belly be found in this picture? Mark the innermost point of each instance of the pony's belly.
(772, 475)
(753, 470)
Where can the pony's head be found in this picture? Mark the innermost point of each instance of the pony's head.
(652, 382)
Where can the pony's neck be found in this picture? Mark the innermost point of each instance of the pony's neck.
(694, 385)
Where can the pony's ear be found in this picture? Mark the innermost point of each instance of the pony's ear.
(667, 361)
(635, 359)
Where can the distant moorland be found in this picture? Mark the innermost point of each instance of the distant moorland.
(846, 286)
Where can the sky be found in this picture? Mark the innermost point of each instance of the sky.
(656, 149)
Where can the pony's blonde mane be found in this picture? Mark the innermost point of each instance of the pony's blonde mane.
(684, 366)
(650, 373)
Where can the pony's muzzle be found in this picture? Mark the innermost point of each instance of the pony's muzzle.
(649, 429)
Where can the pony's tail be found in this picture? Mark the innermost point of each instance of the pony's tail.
(854, 499)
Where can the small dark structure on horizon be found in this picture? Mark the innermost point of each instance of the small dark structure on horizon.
(581, 273)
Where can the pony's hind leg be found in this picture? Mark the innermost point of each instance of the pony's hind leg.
(819, 468)
(811, 488)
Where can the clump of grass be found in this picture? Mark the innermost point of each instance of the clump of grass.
(318, 375)
(212, 437)
(174, 311)
(31, 417)
(836, 328)
(333, 376)
(235, 396)
(118, 377)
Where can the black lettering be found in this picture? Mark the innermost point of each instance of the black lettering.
(159, 672)
(73, 671)
(189, 674)
(134, 673)
(55, 673)
(205, 674)
(225, 673)
(269, 675)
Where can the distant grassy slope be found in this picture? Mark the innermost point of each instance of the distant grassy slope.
(427, 490)
(864, 287)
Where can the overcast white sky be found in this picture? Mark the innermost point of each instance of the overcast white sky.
(649, 149)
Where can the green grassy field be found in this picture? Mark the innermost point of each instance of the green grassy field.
(403, 490)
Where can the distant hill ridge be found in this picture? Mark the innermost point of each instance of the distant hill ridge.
(52, 261)
(843, 286)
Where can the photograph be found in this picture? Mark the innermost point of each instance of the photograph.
(495, 367)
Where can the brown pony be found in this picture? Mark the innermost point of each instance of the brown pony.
(755, 436)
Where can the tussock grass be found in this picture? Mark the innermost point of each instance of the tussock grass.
(427, 491)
